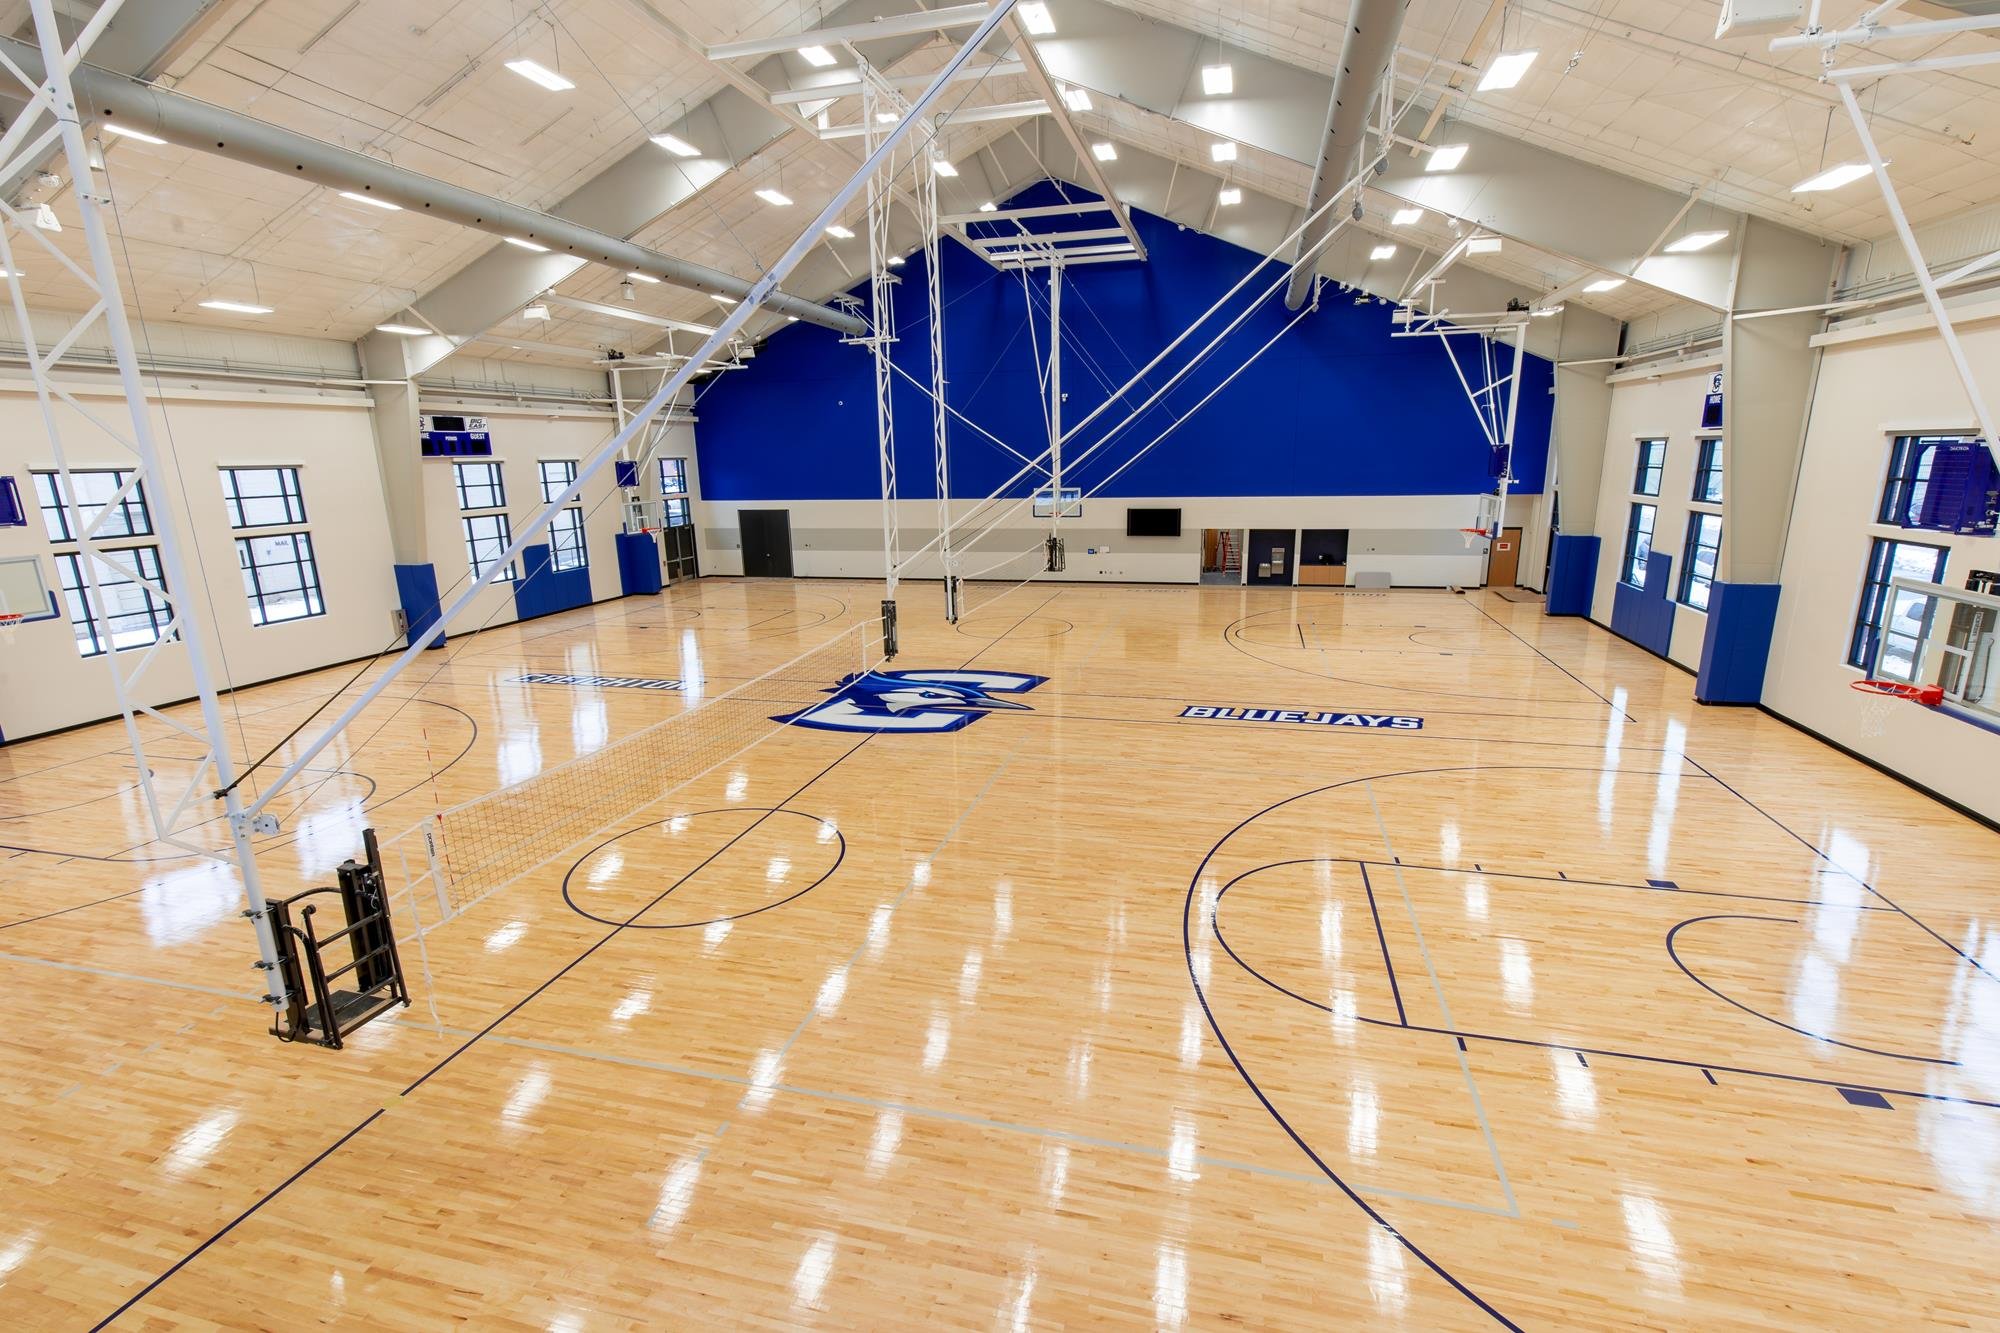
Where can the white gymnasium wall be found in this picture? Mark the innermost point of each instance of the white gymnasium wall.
(1647, 407)
(325, 433)
(1414, 539)
(1869, 391)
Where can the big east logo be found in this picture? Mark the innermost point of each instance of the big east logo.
(913, 700)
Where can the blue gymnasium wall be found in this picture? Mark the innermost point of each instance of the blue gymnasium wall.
(1336, 407)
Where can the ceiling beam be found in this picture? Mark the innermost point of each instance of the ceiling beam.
(893, 25)
(1038, 75)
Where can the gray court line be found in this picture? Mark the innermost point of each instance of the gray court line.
(1444, 1008)
(977, 1121)
(127, 976)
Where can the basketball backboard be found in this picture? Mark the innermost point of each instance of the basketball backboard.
(22, 591)
(1948, 637)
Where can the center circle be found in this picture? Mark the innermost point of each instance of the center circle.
(704, 866)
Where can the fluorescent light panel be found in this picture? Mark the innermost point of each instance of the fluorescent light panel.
(1506, 70)
(371, 201)
(1382, 252)
(676, 145)
(1832, 178)
(1407, 216)
(1696, 240)
(1218, 80)
(775, 198)
(1229, 197)
(817, 56)
(535, 72)
(111, 127)
(1222, 152)
(836, 230)
(1605, 285)
(1105, 151)
(989, 207)
(236, 307)
(1035, 18)
(1446, 158)
(1483, 245)
(944, 168)
(1076, 99)
(407, 330)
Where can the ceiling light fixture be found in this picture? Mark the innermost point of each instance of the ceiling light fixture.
(1447, 158)
(1605, 285)
(1483, 245)
(526, 245)
(944, 168)
(534, 72)
(817, 56)
(989, 207)
(628, 291)
(1229, 197)
(1035, 18)
(775, 199)
(236, 307)
(1076, 99)
(537, 310)
(1218, 80)
(1222, 152)
(843, 233)
(1506, 70)
(676, 145)
(1696, 240)
(112, 127)
(1382, 252)
(407, 330)
(1105, 151)
(1406, 216)
(895, 261)
(371, 201)
(886, 118)
(1833, 178)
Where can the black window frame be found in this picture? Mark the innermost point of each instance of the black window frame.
(568, 548)
(1708, 471)
(1652, 462)
(680, 473)
(496, 485)
(675, 512)
(1635, 567)
(304, 564)
(61, 526)
(82, 615)
(1692, 546)
(1876, 578)
(290, 494)
(1908, 477)
(469, 524)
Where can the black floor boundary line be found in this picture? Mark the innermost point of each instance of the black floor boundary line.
(1956, 807)
(1536, 649)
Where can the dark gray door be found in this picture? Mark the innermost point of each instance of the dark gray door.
(767, 542)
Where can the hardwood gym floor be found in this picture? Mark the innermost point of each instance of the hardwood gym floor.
(1580, 1006)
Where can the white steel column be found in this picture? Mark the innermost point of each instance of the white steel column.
(882, 315)
(1055, 390)
(927, 208)
(177, 811)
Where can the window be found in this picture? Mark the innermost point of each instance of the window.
(1896, 630)
(1639, 543)
(1698, 556)
(677, 512)
(487, 537)
(137, 616)
(673, 476)
(566, 545)
(1652, 461)
(94, 490)
(1910, 460)
(280, 577)
(480, 486)
(1708, 472)
(263, 497)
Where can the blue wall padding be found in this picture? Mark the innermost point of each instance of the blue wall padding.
(1646, 615)
(417, 589)
(1336, 407)
(1737, 645)
(1573, 575)
(543, 590)
(638, 564)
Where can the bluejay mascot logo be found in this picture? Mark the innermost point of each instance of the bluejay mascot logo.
(926, 701)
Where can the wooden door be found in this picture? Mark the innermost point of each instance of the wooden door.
(1505, 570)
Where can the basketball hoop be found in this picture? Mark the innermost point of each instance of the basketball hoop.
(7, 624)
(1472, 534)
(1884, 695)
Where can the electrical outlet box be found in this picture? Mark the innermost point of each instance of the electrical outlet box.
(1751, 18)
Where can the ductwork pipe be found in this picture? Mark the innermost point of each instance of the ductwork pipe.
(203, 127)
(1372, 32)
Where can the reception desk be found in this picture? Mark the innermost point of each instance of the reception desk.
(1322, 576)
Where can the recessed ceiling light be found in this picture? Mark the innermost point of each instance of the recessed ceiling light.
(1383, 252)
(1507, 70)
(1076, 99)
(817, 56)
(1407, 216)
(1546, 311)
(1696, 240)
(236, 307)
(111, 127)
(944, 168)
(1229, 197)
(895, 261)
(775, 199)
(1222, 152)
(1833, 178)
(1446, 158)
(676, 145)
(643, 277)
(1105, 151)
(371, 201)
(537, 73)
(1606, 285)
(989, 207)
(1035, 18)
(407, 330)
(886, 118)
(1483, 245)
(526, 245)
(843, 233)
(1218, 80)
